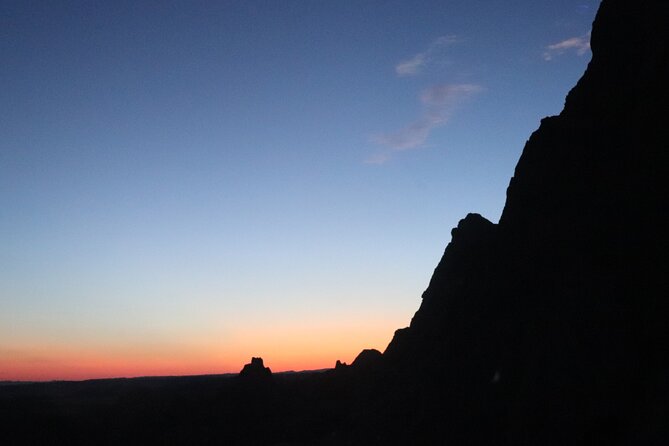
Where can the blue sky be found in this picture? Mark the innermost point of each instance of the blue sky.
(204, 176)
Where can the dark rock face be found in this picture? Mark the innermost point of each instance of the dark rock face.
(551, 326)
(255, 370)
(367, 360)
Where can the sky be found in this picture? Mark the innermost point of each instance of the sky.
(187, 184)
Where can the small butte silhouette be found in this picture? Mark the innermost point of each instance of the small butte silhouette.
(255, 370)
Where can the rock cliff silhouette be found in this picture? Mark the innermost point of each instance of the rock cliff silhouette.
(550, 327)
(255, 370)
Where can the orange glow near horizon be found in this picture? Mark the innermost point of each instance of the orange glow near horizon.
(284, 347)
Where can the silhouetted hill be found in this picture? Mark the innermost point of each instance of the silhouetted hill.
(255, 370)
(551, 326)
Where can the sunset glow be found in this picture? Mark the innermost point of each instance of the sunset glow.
(291, 346)
(185, 185)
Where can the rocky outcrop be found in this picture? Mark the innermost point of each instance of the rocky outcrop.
(550, 326)
(340, 365)
(255, 370)
(367, 360)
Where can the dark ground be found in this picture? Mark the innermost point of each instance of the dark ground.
(295, 408)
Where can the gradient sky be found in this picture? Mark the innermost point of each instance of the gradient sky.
(184, 185)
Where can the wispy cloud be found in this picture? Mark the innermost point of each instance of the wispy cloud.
(439, 102)
(411, 66)
(416, 63)
(580, 45)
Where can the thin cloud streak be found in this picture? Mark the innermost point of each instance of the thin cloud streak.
(410, 67)
(439, 103)
(580, 45)
(415, 64)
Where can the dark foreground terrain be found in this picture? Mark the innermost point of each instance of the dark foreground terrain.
(550, 327)
(296, 408)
